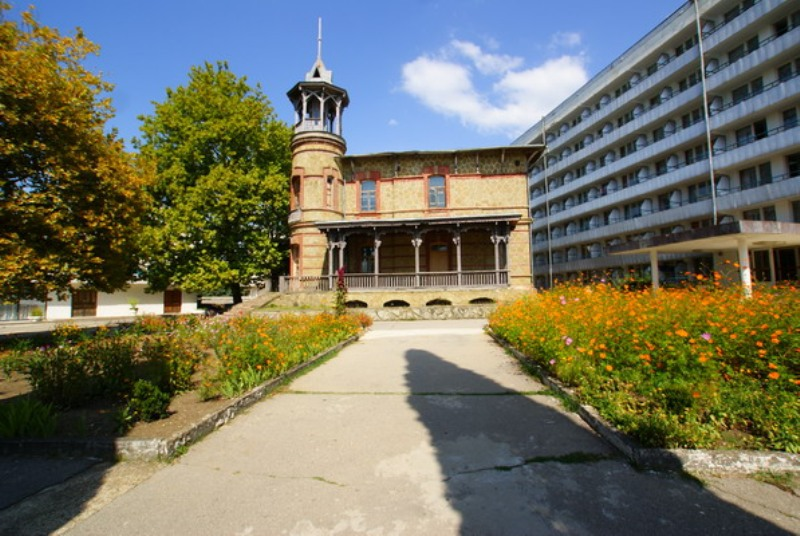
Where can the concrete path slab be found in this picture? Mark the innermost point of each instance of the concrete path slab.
(419, 428)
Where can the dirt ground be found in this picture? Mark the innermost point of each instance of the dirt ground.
(99, 419)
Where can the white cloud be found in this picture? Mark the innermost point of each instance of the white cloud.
(393, 122)
(565, 40)
(515, 97)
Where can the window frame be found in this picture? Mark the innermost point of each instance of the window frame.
(368, 197)
(437, 193)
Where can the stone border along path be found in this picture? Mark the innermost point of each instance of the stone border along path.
(700, 460)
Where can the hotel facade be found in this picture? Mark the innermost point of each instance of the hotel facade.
(632, 158)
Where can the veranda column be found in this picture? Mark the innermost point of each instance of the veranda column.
(457, 242)
(342, 244)
(377, 269)
(496, 242)
(744, 268)
(331, 271)
(416, 242)
(654, 273)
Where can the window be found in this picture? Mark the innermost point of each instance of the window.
(436, 192)
(633, 210)
(796, 211)
(696, 154)
(790, 118)
(752, 215)
(793, 164)
(368, 197)
(295, 192)
(661, 167)
(628, 148)
(736, 53)
(760, 129)
(663, 202)
(685, 46)
(658, 134)
(785, 72)
(760, 214)
(695, 116)
(740, 93)
(748, 178)
(329, 192)
(755, 176)
(699, 192)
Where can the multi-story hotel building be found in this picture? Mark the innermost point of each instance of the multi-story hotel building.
(631, 155)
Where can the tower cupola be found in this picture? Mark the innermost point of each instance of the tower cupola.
(318, 103)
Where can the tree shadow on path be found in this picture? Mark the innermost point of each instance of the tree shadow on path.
(516, 464)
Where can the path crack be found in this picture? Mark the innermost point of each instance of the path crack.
(571, 458)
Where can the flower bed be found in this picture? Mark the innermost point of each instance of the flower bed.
(134, 373)
(693, 367)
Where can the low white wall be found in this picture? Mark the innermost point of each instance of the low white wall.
(119, 304)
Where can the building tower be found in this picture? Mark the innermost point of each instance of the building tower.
(317, 185)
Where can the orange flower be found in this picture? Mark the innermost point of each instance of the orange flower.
(682, 333)
(609, 368)
(773, 375)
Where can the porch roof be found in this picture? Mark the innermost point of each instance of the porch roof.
(441, 221)
(726, 236)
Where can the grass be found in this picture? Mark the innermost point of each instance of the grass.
(695, 367)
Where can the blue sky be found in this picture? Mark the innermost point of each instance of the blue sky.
(421, 74)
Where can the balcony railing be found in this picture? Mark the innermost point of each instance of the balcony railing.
(398, 281)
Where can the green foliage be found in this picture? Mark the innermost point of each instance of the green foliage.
(146, 403)
(222, 163)
(71, 375)
(26, 417)
(71, 199)
(693, 367)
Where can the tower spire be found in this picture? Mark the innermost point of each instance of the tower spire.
(319, 39)
(318, 71)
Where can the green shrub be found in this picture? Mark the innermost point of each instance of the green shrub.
(27, 417)
(146, 403)
(71, 375)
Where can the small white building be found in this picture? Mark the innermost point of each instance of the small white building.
(135, 300)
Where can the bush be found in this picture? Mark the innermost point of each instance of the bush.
(69, 376)
(146, 403)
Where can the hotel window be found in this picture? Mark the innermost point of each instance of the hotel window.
(368, 198)
(796, 211)
(436, 192)
(793, 164)
(790, 118)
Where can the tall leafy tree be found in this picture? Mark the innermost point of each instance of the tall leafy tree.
(222, 162)
(70, 197)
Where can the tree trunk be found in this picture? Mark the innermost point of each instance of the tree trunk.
(236, 292)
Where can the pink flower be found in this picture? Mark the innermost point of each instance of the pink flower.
(567, 340)
(706, 336)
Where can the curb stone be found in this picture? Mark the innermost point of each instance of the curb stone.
(148, 449)
(689, 460)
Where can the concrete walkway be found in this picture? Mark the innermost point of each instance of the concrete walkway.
(425, 428)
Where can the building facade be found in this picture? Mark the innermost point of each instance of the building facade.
(401, 221)
(632, 156)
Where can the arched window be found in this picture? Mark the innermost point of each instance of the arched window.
(436, 192)
(368, 199)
